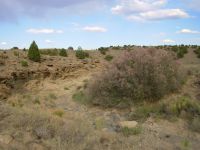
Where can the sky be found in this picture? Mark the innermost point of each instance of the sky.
(95, 23)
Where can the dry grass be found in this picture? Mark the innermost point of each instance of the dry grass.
(47, 131)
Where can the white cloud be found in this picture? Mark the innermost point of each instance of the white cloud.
(44, 31)
(48, 41)
(188, 31)
(147, 10)
(3, 43)
(94, 29)
(134, 6)
(167, 41)
(161, 14)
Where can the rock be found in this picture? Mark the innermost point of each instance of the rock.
(105, 130)
(28, 138)
(3, 56)
(4, 91)
(5, 139)
(97, 61)
(3, 79)
(84, 61)
(36, 146)
(22, 75)
(128, 124)
(46, 73)
(2, 63)
(49, 65)
(92, 66)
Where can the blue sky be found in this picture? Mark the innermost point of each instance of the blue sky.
(95, 23)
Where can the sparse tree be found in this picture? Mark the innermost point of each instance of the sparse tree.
(70, 48)
(15, 48)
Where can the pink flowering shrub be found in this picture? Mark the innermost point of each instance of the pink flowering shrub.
(140, 75)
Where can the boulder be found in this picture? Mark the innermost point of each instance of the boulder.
(4, 91)
(5, 139)
(97, 61)
(84, 61)
(2, 63)
(128, 124)
(49, 65)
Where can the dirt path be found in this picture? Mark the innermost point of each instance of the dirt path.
(65, 100)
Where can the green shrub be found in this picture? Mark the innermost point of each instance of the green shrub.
(50, 52)
(99, 123)
(66, 88)
(185, 104)
(143, 112)
(181, 107)
(80, 54)
(197, 51)
(180, 50)
(174, 48)
(16, 53)
(63, 53)
(59, 113)
(24, 63)
(116, 47)
(131, 131)
(103, 50)
(140, 75)
(195, 124)
(36, 101)
(109, 57)
(194, 46)
(80, 97)
(52, 96)
(33, 52)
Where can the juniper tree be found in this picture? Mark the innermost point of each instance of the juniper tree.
(33, 52)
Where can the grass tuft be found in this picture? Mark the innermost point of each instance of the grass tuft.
(59, 113)
(131, 131)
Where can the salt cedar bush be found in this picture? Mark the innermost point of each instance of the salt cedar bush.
(140, 75)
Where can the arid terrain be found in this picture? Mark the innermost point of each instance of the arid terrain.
(42, 107)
